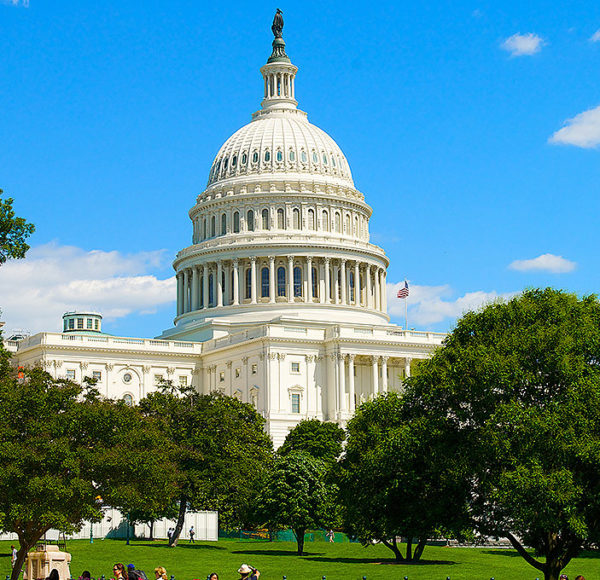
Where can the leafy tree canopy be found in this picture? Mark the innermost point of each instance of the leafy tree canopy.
(392, 481)
(63, 454)
(296, 494)
(319, 439)
(13, 232)
(516, 390)
(220, 448)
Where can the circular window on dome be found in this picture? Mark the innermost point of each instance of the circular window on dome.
(267, 155)
(244, 158)
(127, 378)
(292, 156)
(255, 157)
(279, 156)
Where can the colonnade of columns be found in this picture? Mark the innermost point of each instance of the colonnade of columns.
(281, 279)
(279, 84)
(379, 380)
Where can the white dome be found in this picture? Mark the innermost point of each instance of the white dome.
(281, 142)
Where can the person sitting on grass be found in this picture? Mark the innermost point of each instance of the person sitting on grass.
(160, 573)
(213, 576)
(248, 572)
(120, 571)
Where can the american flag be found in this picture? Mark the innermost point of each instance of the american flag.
(403, 292)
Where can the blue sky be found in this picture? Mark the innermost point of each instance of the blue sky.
(472, 129)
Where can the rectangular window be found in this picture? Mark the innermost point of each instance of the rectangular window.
(89, 323)
(183, 381)
(71, 374)
(295, 367)
(97, 375)
(96, 326)
(222, 377)
(237, 373)
(71, 324)
(80, 324)
(254, 369)
(295, 403)
(158, 379)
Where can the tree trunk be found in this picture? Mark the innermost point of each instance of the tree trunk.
(24, 546)
(299, 533)
(419, 549)
(393, 546)
(151, 524)
(409, 549)
(180, 521)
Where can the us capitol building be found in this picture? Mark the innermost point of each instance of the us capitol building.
(281, 298)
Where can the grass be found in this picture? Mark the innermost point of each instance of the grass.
(343, 561)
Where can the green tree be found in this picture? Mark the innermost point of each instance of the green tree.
(220, 448)
(516, 390)
(63, 454)
(393, 482)
(296, 494)
(320, 439)
(13, 232)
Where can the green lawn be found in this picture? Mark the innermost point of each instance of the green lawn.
(335, 561)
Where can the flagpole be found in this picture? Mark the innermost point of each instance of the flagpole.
(406, 313)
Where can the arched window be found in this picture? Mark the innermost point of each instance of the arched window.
(297, 281)
(351, 280)
(279, 156)
(225, 163)
(236, 222)
(303, 156)
(211, 290)
(347, 225)
(311, 219)
(281, 281)
(255, 157)
(244, 158)
(204, 229)
(248, 283)
(324, 159)
(315, 157)
(356, 230)
(296, 219)
(213, 227)
(264, 283)
(325, 221)
(267, 156)
(250, 221)
(128, 399)
(338, 221)
(233, 161)
(265, 219)
(292, 156)
(280, 219)
(223, 224)
(333, 160)
(315, 284)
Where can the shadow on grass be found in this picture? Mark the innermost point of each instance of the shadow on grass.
(182, 546)
(273, 553)
(381, 562)
(510, 553)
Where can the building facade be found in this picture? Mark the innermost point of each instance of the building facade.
(281, 297)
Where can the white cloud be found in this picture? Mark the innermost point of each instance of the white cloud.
(35, 292)
(595, 37)
(544, 263)
(429, 305)
(583, 130)
(24, 3)
(523, 44)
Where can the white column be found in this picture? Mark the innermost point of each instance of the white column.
(194, 288)
(356, 284)
(344, 282)
(351, 391)
(384, 291)
(375, 361)
(309, 279)
(381, 291)
(321, 274)
(369, 302)
(376, 292)
(179, 293)
(186, 294)
(335, 270)
(205, 286)
(384, 380)
(253, 280)
(407, 362)
(272, 279)
(236, 282)
(290, 281)
(219, 283)
(342, 383)
(327, 281)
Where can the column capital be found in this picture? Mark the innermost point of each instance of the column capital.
(351, 357)
(327, 260)
(343, 261)
(375, 359)
(253, 259)
(309, 259)
(236, 262)
(271, 258)
(385, 358)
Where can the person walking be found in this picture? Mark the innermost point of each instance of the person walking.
(14, 556)
(192, 534)
(248, 572)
